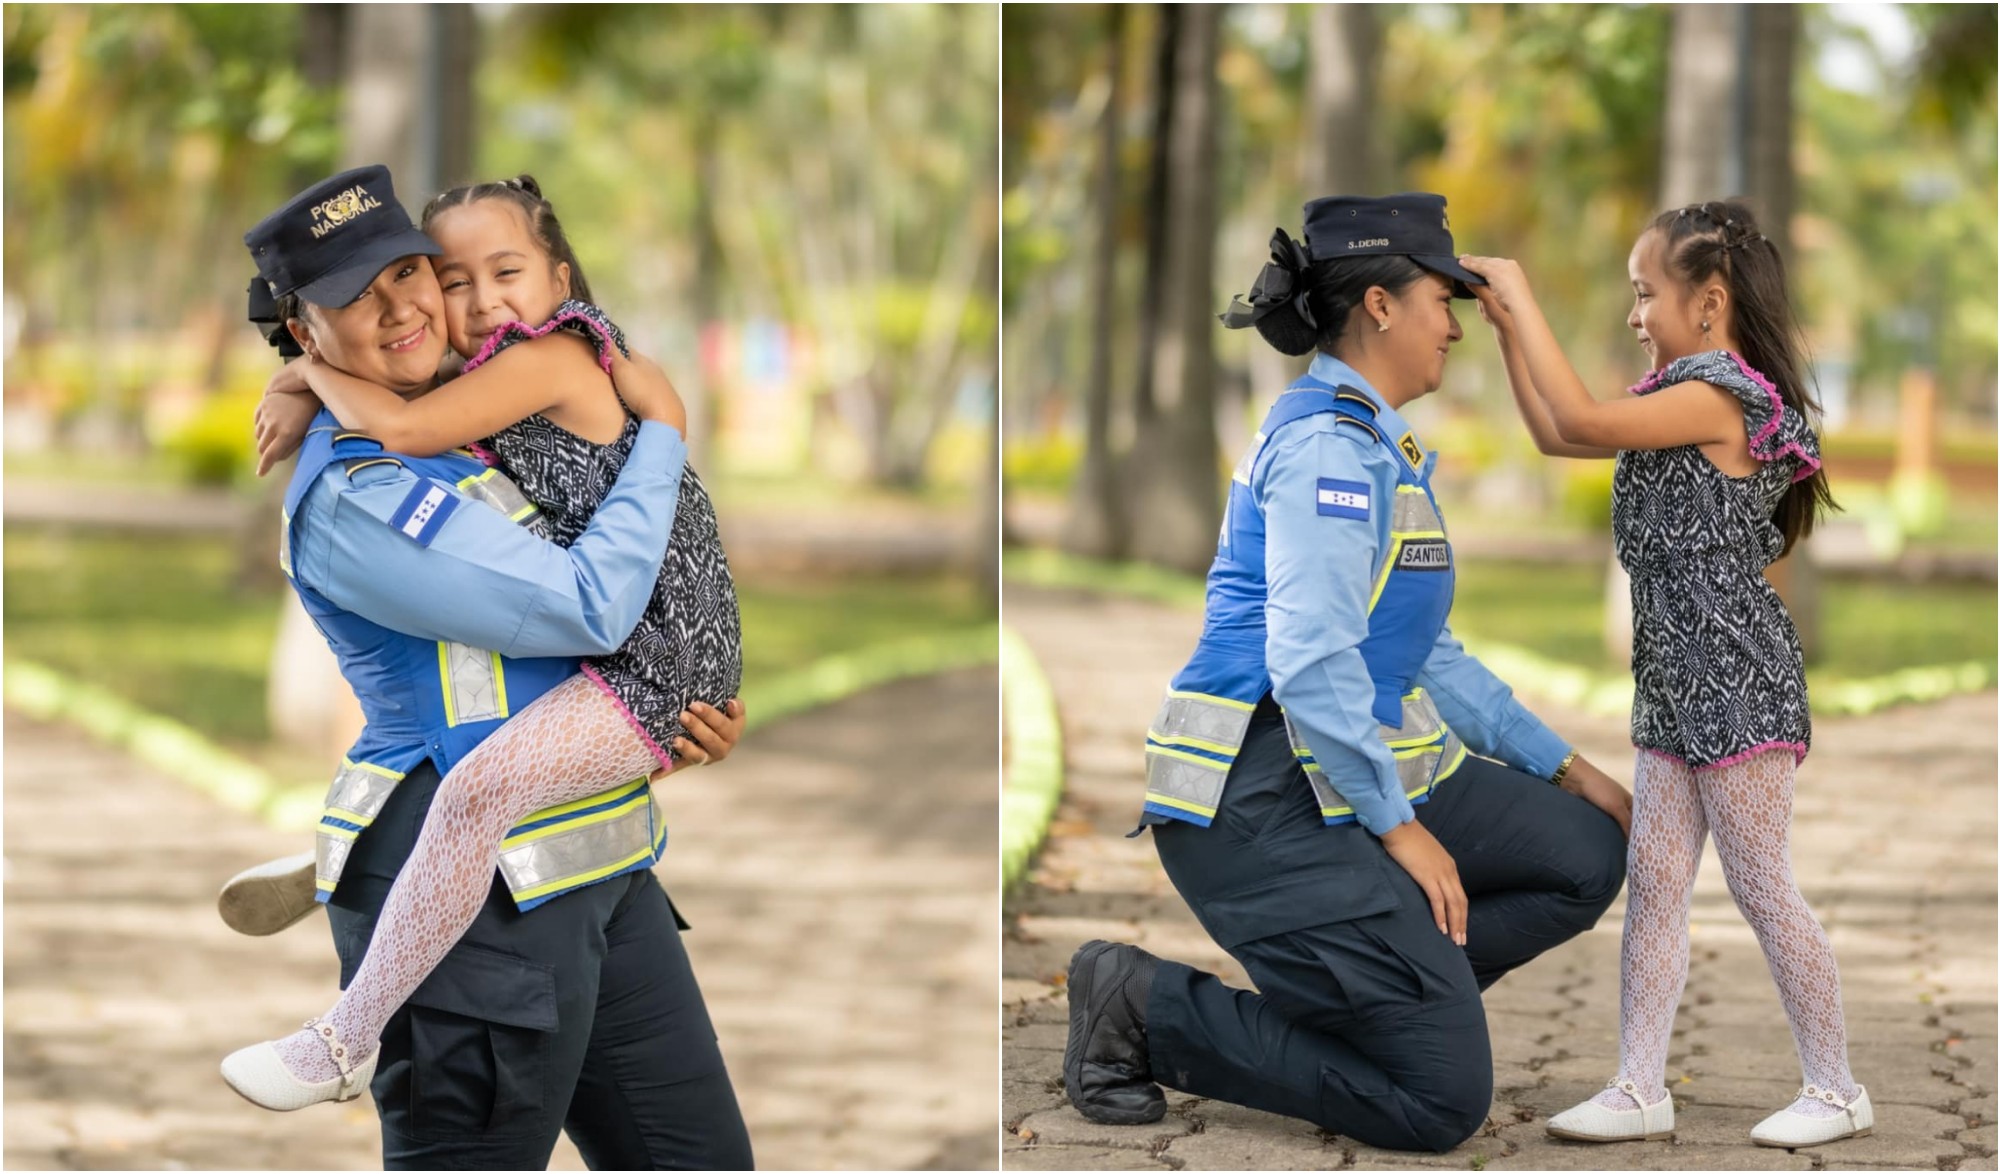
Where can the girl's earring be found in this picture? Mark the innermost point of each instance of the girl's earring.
(1381, 326)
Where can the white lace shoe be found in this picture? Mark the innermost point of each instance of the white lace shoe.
(259, 1075)
(270, 896)
(1591, 1121)
(1789, 1130)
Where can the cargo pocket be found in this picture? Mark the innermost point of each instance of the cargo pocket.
(1297, 900)
(480, 1029)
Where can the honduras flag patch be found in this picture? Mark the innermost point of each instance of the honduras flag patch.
(424, 511)
(1343, 499)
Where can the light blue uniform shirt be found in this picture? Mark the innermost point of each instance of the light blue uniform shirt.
(1320, 571)
(484, 580)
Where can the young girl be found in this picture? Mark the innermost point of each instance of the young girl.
(506, 263)
(1718, 476)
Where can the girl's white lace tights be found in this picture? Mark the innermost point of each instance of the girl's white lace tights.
(572, 742)
(1748, 807)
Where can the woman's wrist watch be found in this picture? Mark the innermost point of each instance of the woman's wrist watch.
(1562, 772)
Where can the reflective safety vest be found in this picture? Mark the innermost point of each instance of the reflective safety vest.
(436, 700)
(1200, 727)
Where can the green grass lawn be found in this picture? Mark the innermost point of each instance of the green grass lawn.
(156, 620)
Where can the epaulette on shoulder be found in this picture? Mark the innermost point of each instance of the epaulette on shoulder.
(1349, 396)
(357, 464)
(1361, 426)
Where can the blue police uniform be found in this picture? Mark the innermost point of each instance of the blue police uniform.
(449, 613)
(1326, 704)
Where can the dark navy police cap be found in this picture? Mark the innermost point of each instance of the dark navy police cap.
(328, 242)
(1412, 224)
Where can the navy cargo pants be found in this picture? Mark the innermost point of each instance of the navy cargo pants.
(1366, 1021)
(579, 1015)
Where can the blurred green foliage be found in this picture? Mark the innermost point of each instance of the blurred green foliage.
(160, 621)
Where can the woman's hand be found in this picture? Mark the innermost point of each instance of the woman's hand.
(647, 390)
(1506, 286)
(712, 733)
(1412, 846)
(1601, 790)
(284, 415)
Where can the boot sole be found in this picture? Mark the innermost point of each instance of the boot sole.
(1079, 1025)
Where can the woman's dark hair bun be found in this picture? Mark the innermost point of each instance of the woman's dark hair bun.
(1287, 331)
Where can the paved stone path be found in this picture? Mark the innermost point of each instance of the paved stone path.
(844, 911)
(1907, 894)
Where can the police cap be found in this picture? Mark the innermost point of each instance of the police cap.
(328, 242)
(1411, 224)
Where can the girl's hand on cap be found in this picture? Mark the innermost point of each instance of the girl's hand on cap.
(1505, 280)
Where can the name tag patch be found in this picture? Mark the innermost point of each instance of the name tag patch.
(1343, 499)
(1424, 554)
(424, 511)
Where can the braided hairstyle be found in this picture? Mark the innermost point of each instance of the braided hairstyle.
(1334, 287)
(524, 193)
(1719, 240)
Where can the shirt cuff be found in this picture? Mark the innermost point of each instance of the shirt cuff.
(1539, 750)
(1383, 813)
(655, 434)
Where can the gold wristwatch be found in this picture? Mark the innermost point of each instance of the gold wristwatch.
(1562, 772)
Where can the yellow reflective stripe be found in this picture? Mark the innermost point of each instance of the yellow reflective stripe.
(1183, 756)
(1420, 534)
(476, 478)
(1245, 706)
(1179, 804)
(338, 833)
(1457, 761)
(614, 794)
(444, 683)
(1419, 743)
(1332, 811)
(373, 769)
(1382, 578)
(324, 886)
(571, 825)
(499, 684)
(1197, 743)
(350, 816)
(583, 878)
(523, 512)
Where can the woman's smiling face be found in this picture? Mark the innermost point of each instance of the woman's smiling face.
(1422, 329)
(392, 335)
(493, 272)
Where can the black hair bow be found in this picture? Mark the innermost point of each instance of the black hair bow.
(1282, 283)
(264, 316)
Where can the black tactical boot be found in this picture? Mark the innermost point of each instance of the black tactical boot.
(1105, 1069)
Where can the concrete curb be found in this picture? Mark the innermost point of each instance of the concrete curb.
(1597, 693)
(1034, 781)
(190, 758)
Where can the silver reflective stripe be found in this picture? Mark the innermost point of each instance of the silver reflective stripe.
(1221, 726)
(1421, 720)
(553, 863)
(1241, 475)
(493, 488)
(1185, 784)
(472, 680)
(1414, 513)
(285, 543)
(356, 796)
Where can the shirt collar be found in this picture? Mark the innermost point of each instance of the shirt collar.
(1388, 421)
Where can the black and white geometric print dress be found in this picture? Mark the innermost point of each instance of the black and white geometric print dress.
(689, 644)
(1716, 664)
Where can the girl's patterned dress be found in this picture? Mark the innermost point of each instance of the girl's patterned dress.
(689, 645)
(1717, 669)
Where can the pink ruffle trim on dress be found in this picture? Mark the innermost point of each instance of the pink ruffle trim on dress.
(522, 329)
(666, 760)
(1808, 462)
(1797, 748)
(486, 455)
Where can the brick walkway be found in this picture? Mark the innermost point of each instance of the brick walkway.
(854, 1004)
(1907, 894)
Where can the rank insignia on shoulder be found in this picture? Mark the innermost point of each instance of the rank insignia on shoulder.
(1412, 451)
(1343, 499)
(424, 511)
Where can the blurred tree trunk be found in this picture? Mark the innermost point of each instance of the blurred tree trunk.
(1096, 525)
(1177, 511)
(1729, 132)
(1342, 154)
(1159, 181)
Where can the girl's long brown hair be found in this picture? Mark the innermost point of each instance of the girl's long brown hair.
(1720, 240)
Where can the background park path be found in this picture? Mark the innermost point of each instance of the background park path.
(843, 907)
(1893, 840)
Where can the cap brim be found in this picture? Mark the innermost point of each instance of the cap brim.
(1449, 267)
(356, 272)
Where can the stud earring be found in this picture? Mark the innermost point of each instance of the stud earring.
(1381, 326)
